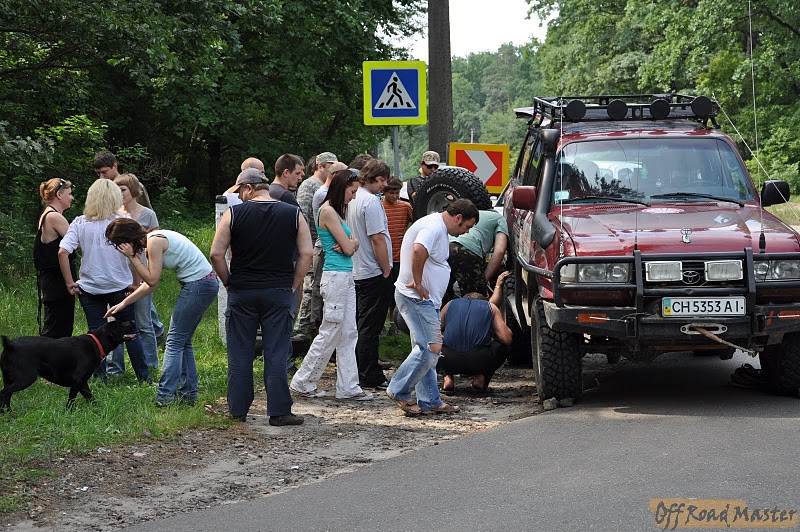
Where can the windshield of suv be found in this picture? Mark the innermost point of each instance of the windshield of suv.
(643, 169)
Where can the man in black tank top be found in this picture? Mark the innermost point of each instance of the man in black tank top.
(265, 237)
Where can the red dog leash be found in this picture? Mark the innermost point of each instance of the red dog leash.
(99, 346)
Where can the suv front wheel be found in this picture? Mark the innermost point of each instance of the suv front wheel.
(557, 359)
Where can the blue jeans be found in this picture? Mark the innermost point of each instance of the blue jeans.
(179, 372)
(418, 370)
(247, 308)
(158, 327)
(144, 321)
(95, 306)
(141, 310)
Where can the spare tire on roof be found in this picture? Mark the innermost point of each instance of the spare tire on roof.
(446, 185)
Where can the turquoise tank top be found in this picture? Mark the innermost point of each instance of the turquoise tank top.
(334, 261)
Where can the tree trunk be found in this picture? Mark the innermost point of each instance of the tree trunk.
(440, 77)
(214, 166)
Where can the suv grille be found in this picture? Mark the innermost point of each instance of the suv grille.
(693, 275)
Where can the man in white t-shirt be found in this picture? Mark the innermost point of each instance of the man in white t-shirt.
(372, 268)
(423, 278)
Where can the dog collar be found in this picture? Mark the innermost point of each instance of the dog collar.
(99, 346)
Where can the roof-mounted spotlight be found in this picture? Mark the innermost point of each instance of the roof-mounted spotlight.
(575, 110)
(702, 106)
(617, 109)
(659, 109)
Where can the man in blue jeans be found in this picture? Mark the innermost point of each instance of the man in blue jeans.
(265, 237)
(424, 273)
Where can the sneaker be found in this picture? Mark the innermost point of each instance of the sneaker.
(363, 396)
(380, 386)
(287, 419)
(443, 408)
(164, 404)
(316, 394)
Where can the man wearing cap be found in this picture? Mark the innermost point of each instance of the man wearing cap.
(289, 171)
(310, 315)
(231, 196)
(260, 282)
(429, 164)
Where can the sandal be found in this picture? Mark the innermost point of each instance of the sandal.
(443, 408)
(409, 406)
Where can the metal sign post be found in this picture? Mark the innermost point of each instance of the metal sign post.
(396, 135)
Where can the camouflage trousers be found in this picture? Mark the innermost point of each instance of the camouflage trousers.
(466, 269)
(310, 316)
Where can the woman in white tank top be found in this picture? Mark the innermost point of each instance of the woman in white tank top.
(169, 250)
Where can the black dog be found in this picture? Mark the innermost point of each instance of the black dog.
(63, 361)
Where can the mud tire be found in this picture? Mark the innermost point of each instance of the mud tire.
(446, 185)
(781, 366)
(557, 360)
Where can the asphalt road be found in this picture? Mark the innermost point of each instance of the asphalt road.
(673, 428)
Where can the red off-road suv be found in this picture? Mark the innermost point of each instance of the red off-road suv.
(635, 230)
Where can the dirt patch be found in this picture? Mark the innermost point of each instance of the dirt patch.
(125, 484)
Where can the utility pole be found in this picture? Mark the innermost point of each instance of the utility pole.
(440, 77)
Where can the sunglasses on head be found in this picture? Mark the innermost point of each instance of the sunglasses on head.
(60, 186)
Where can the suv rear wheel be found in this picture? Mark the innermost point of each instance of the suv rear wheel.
(557, 359)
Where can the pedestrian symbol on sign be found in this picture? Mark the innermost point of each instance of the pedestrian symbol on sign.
(394, 95)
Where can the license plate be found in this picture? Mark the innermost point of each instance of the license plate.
(702, 306)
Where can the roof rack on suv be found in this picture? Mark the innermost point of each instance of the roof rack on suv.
(621, 107)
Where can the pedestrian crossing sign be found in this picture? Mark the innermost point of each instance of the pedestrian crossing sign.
(394, 93)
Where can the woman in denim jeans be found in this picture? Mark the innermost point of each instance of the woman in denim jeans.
(131, 190)
(338, 329)
(173, 251)
(105, 276)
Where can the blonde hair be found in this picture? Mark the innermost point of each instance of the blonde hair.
(48, 189)
(103, 200)
(130, 181)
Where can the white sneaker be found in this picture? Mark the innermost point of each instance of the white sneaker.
(316, 394)
(363, 396)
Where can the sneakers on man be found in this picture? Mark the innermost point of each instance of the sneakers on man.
(363, 396)
(285, 420)
(316, 394)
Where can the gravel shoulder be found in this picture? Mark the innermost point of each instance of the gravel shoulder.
(117, 486)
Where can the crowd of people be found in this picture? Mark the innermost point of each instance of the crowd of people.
(315, 263)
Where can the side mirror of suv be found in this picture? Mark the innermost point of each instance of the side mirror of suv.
(774, 192)
(524, 198)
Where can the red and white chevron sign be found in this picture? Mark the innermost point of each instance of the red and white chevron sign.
(489, 162)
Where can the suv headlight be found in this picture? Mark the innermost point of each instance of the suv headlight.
(660, 271)
(614, 272)
(723, 270)
(776, 270)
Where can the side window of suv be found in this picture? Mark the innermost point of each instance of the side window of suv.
(528, 168)
(525, 157)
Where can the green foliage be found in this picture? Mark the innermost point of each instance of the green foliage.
(698, 47)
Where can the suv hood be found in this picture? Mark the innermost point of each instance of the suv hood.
(609, 229)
